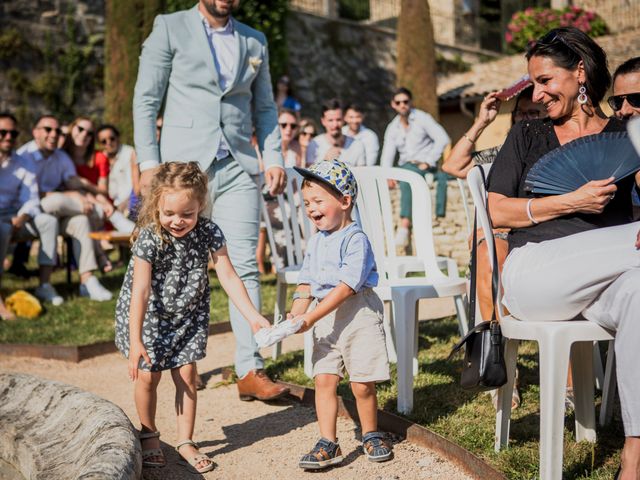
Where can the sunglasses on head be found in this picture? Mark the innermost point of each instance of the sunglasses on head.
(549, 39)
(48, 130)
(291, 125)
(13, 134)
(106, 140)
(616, 101)
(82, 129)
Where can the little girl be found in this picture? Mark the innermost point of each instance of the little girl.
(162, 315)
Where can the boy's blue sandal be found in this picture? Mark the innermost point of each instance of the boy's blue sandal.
(323, 455)
(376, 448)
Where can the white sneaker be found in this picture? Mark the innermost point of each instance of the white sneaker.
(121, 223)
(402, 237)
(93, 289)
(47, 293)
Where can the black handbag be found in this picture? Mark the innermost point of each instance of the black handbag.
(483, 367)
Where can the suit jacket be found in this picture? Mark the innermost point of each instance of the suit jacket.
(176, 61)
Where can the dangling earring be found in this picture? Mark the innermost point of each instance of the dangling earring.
(582, 95)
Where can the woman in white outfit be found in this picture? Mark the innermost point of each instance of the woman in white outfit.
(577, 253)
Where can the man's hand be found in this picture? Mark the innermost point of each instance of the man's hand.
(145, 180)
(274, 177)
(136, 350)
(333, 152)
(19, 221)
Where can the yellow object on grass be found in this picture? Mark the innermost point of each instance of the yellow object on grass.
(23, 304)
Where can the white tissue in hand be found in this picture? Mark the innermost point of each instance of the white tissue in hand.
(268, 336)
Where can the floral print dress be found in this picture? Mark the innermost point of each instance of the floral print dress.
(176, 324)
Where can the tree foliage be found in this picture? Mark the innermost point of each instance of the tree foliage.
(416, 65)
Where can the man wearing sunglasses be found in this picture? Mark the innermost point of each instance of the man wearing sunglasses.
(62, 195)
(419, 141)
(20, 215)
(625, 101)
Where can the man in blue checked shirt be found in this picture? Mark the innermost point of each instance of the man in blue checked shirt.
(20, 214)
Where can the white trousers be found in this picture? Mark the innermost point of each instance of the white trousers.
(596, 274)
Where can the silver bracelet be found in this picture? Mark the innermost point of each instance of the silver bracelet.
(533, 220)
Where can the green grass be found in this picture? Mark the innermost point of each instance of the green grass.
(80, 321)
(468, 419)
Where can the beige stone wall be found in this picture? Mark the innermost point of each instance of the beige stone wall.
(450, 232)
(620, 15)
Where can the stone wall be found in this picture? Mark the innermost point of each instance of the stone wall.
(49, 430)
(51, 57)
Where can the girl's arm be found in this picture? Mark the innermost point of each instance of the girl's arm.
(139, 299)
(333, 300)
(236, 290)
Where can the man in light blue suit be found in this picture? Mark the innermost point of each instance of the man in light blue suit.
(213, 74)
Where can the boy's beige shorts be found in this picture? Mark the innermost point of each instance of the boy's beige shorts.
(352, 338)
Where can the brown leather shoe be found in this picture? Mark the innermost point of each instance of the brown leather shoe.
(257, 385)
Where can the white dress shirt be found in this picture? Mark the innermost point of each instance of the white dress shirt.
(370, 142)
(18, 187)
(423, 142)
(352, 152)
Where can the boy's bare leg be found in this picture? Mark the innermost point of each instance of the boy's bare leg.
(367, 404)
(327, 404)
(146, 398)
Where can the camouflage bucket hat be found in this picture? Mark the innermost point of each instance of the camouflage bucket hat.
(333, 173)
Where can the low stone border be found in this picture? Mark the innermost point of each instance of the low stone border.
(49, 430)
(77, 353)
(409, 431)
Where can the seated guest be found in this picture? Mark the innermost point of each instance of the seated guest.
(625, 101)
(290, 147)
(576, 253)
(333, 143)
(419, 142)
(307, 130)
(353, 117)
(123, 168)
(20, 214)
(62, 196)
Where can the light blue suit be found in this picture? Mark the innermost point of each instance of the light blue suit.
(177, 61)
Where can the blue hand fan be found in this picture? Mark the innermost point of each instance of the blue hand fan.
(594, 157)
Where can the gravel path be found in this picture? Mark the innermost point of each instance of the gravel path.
(247, 440)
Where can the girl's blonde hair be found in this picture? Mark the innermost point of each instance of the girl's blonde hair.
(170, 176)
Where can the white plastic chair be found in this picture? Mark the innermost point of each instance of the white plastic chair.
(297, 229)
(375, 216)
(465, 205)
(559, 342)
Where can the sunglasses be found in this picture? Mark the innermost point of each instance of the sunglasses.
(48, 130)
(616, 101)
(549, 39)
(401, 102)
(106, 140)
(308, 133)
(290, 125)
(13, 134)
(82, 129)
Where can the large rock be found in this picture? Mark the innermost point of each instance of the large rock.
(51, 430)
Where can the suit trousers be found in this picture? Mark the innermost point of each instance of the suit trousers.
(235, 201)
(596, 274)
(42, 226)
(74, 224)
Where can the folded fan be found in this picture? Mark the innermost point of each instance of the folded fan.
(594, 157)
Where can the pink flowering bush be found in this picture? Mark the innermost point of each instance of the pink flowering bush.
(531, 23)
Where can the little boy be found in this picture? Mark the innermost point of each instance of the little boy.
(339, 272)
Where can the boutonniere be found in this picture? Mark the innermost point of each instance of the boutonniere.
(255, 63)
